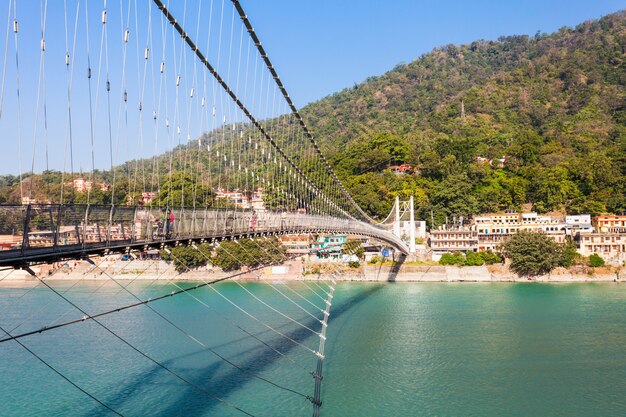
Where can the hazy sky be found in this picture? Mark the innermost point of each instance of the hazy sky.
(318, 48)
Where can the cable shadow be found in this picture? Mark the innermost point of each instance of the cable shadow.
(222, 379)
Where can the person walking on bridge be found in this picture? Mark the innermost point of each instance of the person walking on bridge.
(170, 223)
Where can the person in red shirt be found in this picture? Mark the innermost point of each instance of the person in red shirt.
(170, 223)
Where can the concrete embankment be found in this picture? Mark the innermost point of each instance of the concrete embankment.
(295, 271)
(436, 273)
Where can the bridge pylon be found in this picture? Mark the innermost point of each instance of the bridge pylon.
(401, 222)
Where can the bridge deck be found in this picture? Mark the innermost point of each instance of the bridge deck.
(52, 232)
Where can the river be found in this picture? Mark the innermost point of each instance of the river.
(405, 349)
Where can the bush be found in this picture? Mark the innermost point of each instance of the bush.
(354, 264)
(473, 259)
(489, 257)
(375, 259)
(532, 253)
(456, 258)
(596, 260)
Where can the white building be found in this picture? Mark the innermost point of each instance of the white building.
(576, 224)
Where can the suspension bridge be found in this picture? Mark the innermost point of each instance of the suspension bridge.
(187, 135)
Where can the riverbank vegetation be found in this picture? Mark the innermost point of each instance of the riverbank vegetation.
(228, 255)
(470, 258)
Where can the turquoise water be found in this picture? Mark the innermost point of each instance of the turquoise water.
(392, 350)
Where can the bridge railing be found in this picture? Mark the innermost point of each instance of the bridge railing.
(55, 228)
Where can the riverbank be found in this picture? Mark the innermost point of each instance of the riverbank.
(297, 271)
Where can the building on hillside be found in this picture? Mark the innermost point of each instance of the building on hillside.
(610, 223)
(493, 229)
(610, 246)
(82, 185)
(256, 200)
(453, 239)
(242, 199)
(401, 169)
(235, 198)
(296, 244)
(576, 224)
(498, 162)
(494, 163)
(147, 197)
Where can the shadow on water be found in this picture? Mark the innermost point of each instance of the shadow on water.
(221, 379)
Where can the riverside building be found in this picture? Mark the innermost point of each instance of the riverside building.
(453, 239)
(494, 229)
(611, 246)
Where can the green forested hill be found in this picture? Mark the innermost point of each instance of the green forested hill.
(553, 105)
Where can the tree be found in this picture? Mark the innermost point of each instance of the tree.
(454, 197)
(186, 258)
(569, 254)
(231, 255)
(532, 253)
(596, 260)
(182, 189)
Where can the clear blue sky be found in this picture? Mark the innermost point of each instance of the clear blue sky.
(318, 47)
(323, 46)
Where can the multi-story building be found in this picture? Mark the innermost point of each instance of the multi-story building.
(328, 247)
(611, 246)
(494, 229)
(242, 199)
(610, 223)
(576, 224)
(456, 239)
(405, 229)
(296, 244)
(236, 198)
(81, 185)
